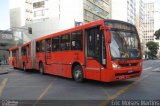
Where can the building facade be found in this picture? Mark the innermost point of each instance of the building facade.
(124, 10)
(20, 12)
(149, 23)
(140, 16)
(90, 10)
(49, 16)
(96, 9)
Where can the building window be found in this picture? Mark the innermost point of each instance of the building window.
(38, 5)
(39, 13)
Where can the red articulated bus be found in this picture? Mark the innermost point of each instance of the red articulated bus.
(104, 50)
(22, 57)
(14, 59)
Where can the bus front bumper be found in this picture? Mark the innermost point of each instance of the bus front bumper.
(127, 73)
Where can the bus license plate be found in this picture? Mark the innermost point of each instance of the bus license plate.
(130, 71)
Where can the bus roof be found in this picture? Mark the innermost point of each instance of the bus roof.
(88, 25)
(26, 44)
(13, 48)
(118, 21)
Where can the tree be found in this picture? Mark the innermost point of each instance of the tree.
(157, 34)
(153, 49)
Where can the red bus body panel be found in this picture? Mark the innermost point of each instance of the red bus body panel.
(14, 60)
(26, 59)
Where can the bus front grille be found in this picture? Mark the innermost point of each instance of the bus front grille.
(126, 73)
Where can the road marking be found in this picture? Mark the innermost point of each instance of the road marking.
(157, 69)
(105, 91)
(147, 68)
(123, 90)
(2, 85)
(43, 93)
(13, 86)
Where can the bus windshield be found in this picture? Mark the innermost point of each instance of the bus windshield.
(124, 45)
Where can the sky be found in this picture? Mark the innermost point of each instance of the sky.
(4, 12)
(4, 15)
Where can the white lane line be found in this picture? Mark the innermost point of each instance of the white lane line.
(157, 69)
(147, 68)
(2, 85)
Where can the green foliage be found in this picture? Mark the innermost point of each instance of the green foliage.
(153, 48)
(157, 34)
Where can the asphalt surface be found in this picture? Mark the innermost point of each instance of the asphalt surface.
(19, 85)
(4, 69)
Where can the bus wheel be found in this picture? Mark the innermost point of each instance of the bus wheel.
(78, 74)
(41, 68)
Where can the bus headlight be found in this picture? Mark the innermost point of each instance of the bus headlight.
(140, 64)
(115, 66)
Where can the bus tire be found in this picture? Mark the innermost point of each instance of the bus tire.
(41, 68)
(78, 74)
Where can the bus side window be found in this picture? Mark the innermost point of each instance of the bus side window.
(14, 53)
(48, 45)
(76, 40)
(90, 44)
(65, 42)
(24, 51)
(40, 46)
(43, 46)
(94, 43)
(37, 46)
(55, 44)
(28, 50)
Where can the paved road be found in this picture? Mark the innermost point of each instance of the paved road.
(19, 85)
(3, 69)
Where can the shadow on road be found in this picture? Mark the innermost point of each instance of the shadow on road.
(115, 84)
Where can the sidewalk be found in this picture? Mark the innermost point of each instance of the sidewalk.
(4, 69)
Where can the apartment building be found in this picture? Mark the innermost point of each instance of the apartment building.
(20, 12)
(149, 22)
(49, 16)
(124, 10)
(140, 16)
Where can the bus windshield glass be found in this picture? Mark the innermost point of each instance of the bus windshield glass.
(124, 45)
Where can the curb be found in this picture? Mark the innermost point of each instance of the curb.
(3, 72)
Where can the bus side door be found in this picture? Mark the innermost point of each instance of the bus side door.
(48, 55)
(28, 55)
(93, 53)
(17, 59)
